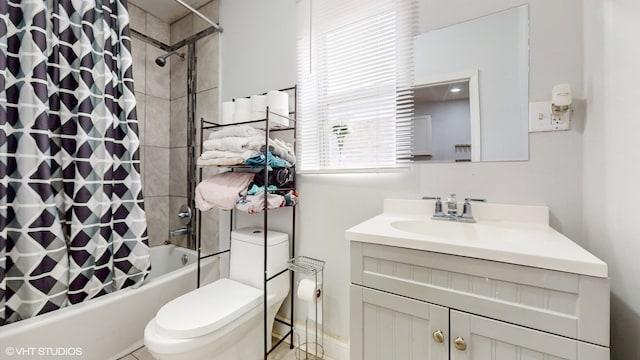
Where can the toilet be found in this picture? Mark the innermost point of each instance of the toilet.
(224, 320)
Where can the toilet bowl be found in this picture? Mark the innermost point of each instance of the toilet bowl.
(224, 320)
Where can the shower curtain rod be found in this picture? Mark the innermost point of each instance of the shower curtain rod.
(200, 15)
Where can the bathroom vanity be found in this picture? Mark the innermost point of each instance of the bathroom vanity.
(506, 287)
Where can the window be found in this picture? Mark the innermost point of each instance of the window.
(355, 78)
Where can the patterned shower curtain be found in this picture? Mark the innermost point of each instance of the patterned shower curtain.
(72, 221)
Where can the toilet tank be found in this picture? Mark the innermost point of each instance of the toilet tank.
(247, 255)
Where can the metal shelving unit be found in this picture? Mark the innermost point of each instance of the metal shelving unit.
(207, 125)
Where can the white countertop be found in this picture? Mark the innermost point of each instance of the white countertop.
(507, 233)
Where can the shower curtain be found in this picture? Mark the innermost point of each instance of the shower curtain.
(72, 221)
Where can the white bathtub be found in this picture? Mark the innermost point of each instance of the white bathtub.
(110, 326)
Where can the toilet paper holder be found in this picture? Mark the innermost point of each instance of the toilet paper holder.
(310, 289)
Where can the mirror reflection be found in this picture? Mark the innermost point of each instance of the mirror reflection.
(443, 112)
(471, 90)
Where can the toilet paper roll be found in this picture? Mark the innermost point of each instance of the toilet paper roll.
(228, 108)
(307, 291)
(242, 110)
(258, 107)
(278, 102)
(259, 103)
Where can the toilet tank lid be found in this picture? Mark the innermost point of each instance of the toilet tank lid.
(256, 236)
(206, 309)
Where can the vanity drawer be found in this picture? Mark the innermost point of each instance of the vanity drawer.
(565, 304)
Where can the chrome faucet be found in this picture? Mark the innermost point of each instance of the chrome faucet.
(181, 231)
(452, 209)
(438, 208)
(452, 206)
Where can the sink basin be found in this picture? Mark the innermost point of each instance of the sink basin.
(455, 231)
(441, 229)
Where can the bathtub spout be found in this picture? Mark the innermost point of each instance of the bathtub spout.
(182, 231)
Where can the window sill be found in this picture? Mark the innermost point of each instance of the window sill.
(399, 169)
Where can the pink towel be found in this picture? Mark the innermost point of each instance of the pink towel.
(222, 190)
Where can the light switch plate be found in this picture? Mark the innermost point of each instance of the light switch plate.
(541, 119)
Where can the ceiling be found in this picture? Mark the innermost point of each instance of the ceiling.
(441, 92)
(167, 10)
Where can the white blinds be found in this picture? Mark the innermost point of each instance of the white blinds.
(355, 76)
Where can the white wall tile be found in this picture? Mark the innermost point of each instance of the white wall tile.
(157, 211)
(207, 72)
(158, 120)
(156, 171)
(182, 29)
(158, 29)
(137, 18)
(179, 74)
(141, 103)
(206, 107)
(178, 172)
(139, 54)
(210, 231)
(179, 122)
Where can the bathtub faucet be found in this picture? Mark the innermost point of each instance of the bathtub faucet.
(183, 230)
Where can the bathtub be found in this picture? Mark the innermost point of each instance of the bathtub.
(110, 326)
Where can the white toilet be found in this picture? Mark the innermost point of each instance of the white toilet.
(224, 320)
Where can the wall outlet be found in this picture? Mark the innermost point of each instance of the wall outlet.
(541, 119)
(562, 121)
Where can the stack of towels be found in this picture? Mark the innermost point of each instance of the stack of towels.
(244, 145)
(246, 192)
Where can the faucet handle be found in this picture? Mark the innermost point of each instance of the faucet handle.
(466, 209)
(437, 212)
(431, 198)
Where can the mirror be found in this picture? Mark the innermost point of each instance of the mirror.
(471, 90)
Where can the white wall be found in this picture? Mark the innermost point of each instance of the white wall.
(611, 157)
(330, 204)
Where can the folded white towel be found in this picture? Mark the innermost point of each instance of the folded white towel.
(235, 131)
(220, 162)
(235, 143)
(219, 154)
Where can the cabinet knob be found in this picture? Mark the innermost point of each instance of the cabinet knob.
(460, 344)
(438, 336)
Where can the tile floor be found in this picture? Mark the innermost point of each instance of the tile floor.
(281, 353)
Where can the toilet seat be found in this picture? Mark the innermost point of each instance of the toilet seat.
(206, 309)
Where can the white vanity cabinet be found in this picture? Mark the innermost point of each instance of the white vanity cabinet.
(415, 304)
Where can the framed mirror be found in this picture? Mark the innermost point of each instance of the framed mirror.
(471, 90)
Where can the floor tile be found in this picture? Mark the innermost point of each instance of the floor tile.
(143, 354)
(128, 357)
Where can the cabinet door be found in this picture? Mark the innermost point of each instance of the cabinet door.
(388, 327)
(491, 339)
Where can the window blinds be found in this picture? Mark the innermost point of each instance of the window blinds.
(355, 77)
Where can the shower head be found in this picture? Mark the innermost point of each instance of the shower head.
(162, 59)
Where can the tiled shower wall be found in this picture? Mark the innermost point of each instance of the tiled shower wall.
(161, 94)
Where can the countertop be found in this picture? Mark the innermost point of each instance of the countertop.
(513, 234)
